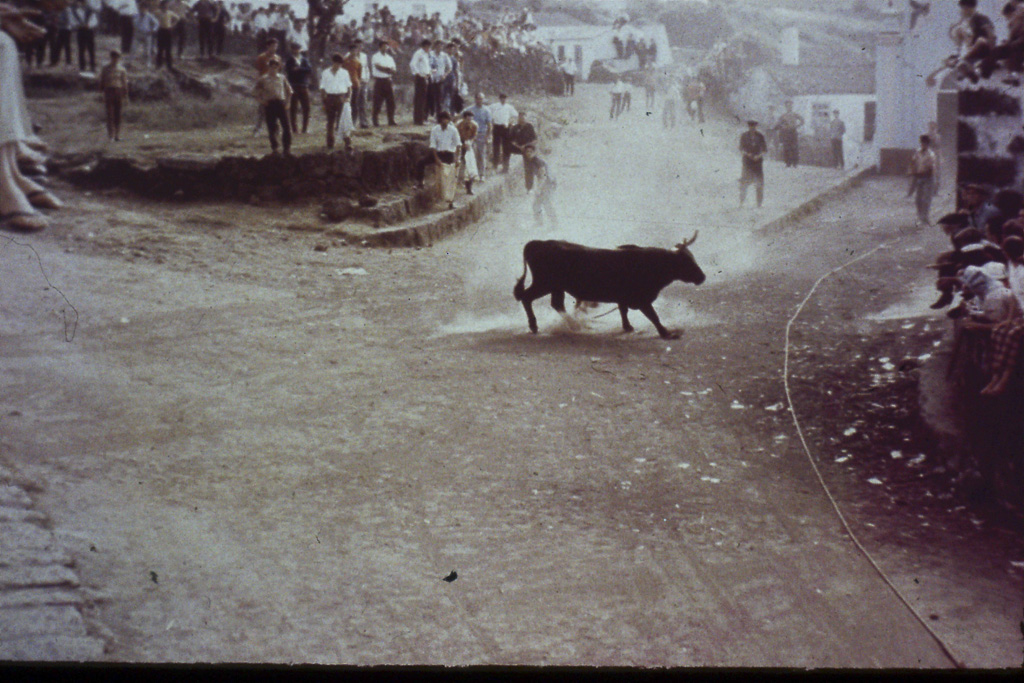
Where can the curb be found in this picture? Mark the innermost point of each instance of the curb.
(815, 203)
(426, 230)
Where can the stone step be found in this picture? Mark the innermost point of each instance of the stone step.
(20, 622)
(51, 649)
(37, 576)
(39, 596)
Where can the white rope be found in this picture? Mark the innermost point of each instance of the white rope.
(835, 506)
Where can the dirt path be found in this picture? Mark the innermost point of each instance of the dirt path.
(264, 453)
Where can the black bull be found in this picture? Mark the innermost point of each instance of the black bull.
(629, 276)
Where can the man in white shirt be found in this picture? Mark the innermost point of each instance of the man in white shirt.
(502, 116)
(420, 67)
(126, 10)
(440, 67)
(85, 20)
(297, 35)
(335, 86)
(445, 143)
(382, 69)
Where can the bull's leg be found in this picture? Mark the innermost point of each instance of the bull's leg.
(648, 310)
(625, 318)
(558, 301)
(532, 293)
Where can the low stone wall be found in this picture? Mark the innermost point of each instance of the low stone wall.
(269, 178)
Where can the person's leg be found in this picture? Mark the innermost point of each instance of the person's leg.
(759, 186)
(378, 100)
(15, 208)
(108, 104)
(271, 118)
(80, 40)
(495, 146)
(286, 129)
(743, 190)
(331, 114)
(389, 100)
(179, 31)
(90, 47)
(118, 102)
(479, 151)
(305, 110)
(293, 111)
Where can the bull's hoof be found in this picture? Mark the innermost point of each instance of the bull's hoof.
(627, 330)
(533, 329)
(671, 335)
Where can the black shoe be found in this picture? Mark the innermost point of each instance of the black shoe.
(944, 300)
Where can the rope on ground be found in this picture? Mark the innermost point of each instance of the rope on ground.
(71, 325)
(835, 506)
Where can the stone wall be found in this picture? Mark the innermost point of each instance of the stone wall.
(268, 179)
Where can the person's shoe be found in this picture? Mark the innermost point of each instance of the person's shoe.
(24, 221)
(41, 199)
(944, 300)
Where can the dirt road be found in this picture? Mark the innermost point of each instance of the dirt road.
(258, 452)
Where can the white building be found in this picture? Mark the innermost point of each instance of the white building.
(904, 59)
(587, 43)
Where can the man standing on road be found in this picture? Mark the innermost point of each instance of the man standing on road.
(440, 67)
(273, 92)
(85, 19)
(922, 170)
(545, 186)
(353, 64)
(836, 131)
(502, 115)
(262, 67)
(383, 69)
(335, 87)
(519, 136)
(165, 34)
(569, 77)
(420, 68)
(445, 143)
(126, 10)
(788, 126)
(205, 11)
(299, 71)
(673, 100)
(753, 147)
(482, 116)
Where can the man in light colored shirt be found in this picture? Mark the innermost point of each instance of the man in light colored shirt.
(502, 116)
(482, 116)
(85, 20)
(146, 26)
(420, 67)
(126, 10)
(383, 69)
(922, 170)
(335, 87)
(440, 67)
(167, 20)
(445, 142)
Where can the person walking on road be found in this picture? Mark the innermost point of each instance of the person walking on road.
(922, 171)
(673, 100)
(788, 126)
(542, 189)
(618, 92)
(273, 93)
(482, 116)
(753, 147)
(836, 131)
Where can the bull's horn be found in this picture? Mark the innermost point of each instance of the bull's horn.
(690, 241)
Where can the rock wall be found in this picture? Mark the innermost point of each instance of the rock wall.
(257, 179)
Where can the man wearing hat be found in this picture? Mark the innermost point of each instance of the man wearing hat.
(753, 147)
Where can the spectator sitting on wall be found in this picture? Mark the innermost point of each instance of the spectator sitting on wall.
(981, 39)
(992, 307)
(1008, 336)
(970, 248)
(1011, 51)
(973, 203)
(1007, 203)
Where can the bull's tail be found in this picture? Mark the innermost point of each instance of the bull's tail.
(520, 287)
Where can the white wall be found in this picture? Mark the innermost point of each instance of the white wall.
(904, 60)
(355, 9)
(597, 42)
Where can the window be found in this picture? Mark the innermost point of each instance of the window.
(561, 52)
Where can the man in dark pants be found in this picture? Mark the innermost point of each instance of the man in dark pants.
(519, 136)
(126, 13)
(165, 35)
(220, 28)
(273, 93)
(753, 147)
(502, 115)
(182, 10)
(299, 71)
(85, 20)
(383, 69)
(205, 12)
(65, 22)
(420, 67)
(788, 126)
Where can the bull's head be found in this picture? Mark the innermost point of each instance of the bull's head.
(689, 271)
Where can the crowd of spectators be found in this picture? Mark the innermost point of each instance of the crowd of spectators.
(983, 273)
